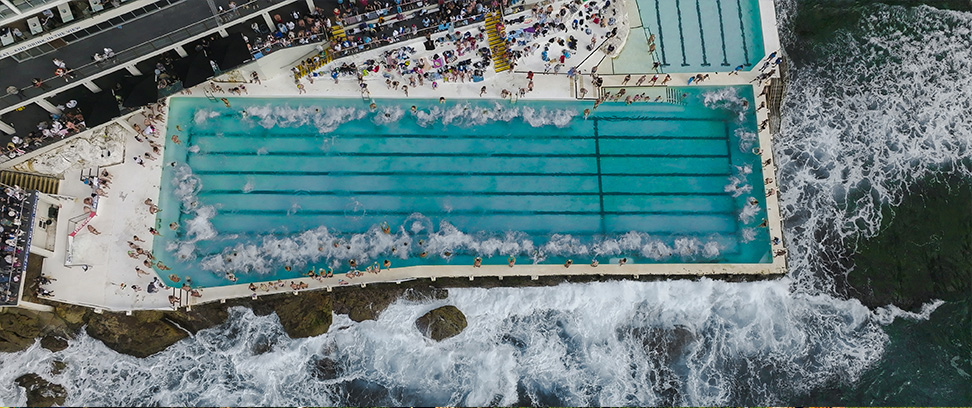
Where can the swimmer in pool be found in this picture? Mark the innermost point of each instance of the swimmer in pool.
(587, 112)
(373, 106)
(511, 260)
(414, 109)
(385, 228)
(441, 99)
(225, 102)
(179, 127)
(175, 139)
(478, 262)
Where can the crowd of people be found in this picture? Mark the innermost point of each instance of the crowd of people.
(63, 124)
(16, 205)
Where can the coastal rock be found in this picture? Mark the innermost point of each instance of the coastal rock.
(362, 304)
(424, 294)
(140, 335)
(923, 252)
(305, 315)
(441, 323)
(54, 343)
(17, 331)
(325, 368)
(200, 318)
(74, 316)
(40, 392)
(57, 367)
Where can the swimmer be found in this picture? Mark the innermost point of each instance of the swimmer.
(225, 102)
(478, 262)
(287, 268)
(387, 264)
(622, 261)
(511, 260)
(423, 254)
(385, 227)
(594, 263)
(441, 99)
(353, 263)
(244, 114)
(414, 109)
(175, 139)
(173, 226)
(175, 278)
(568, 263)
(587, 112)
(373, 106)
(179, 127)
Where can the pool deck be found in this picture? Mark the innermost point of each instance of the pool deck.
(123, 213)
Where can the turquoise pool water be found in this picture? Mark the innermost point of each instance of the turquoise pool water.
(269, 183)
(703, 35)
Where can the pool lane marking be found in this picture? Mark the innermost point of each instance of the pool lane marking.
(661, 36)
(464, 154)
(722, 34)
(480, 213)
(742, 31)
(698, 12)
(600, 179)
(413, 193)
(439, 173)
(508, 137)
(681, 34)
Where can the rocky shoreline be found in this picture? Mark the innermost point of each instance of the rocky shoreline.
(309, 314)
(924, 250)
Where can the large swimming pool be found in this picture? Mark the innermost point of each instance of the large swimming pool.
(269, 184)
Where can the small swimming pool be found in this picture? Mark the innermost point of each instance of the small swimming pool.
(698, 35)
(272, 183)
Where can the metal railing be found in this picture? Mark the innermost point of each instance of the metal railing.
(250, 9)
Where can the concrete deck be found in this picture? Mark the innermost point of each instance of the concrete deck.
(123, 214)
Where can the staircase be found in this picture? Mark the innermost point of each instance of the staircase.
(337, 33)
(497, 42)
(674, 97)
(30, 181)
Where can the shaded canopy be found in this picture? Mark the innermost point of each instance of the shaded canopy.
(98, 108)
(229, 52)
(193, 69)
(138, 91)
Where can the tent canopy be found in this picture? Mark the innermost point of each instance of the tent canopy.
(194, 69)
(229, 52)
(98, 108)
(137, 91)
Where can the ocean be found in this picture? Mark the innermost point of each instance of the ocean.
(878, 102)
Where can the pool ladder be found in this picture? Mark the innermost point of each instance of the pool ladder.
(674, 97)
(210, 96)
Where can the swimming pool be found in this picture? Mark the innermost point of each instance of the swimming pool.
(269, 183)
(699, 35)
